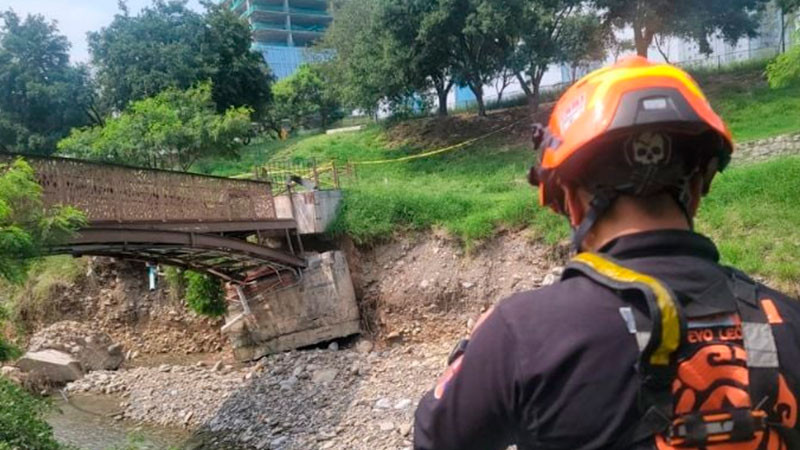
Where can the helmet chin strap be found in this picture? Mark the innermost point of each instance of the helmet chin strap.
(601, 203)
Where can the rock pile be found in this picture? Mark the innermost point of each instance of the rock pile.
(763, 149)
(65, 351)
(355, 398)
(93, 349)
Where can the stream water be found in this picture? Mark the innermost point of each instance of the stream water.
(85, 422)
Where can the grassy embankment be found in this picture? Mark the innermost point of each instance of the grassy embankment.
(474, 191)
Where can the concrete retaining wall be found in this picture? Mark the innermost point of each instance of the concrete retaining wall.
(313, 210)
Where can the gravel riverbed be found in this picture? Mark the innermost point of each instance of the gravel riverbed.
(354, 398)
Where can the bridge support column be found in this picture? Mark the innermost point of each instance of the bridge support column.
(289, 313)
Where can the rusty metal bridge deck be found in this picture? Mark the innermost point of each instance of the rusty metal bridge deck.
(221, 226)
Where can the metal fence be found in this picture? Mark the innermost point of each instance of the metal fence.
(310, 175)
(714, 63)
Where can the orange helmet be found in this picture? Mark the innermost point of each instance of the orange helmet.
(635, 127)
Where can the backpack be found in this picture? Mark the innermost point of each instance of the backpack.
(709, 382)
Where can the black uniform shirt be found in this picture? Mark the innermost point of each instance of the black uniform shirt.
(553, 368)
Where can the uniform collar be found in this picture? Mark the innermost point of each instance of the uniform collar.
(676, 257)
(662, 243)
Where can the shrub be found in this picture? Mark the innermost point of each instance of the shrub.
(205, 295)
(21, 422)
(784, 70)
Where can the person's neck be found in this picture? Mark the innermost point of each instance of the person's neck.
(624, 220)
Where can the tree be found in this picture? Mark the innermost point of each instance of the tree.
(479, 35)
(787, 7)
(553, 32)
(41, 95)
(240, 76)
(27, 227)
(170, 131)
(358, 65)
(304, 97)
(167, 45)
(424, 62)
(691, 19)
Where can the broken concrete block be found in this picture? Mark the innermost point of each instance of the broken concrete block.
(53, 365)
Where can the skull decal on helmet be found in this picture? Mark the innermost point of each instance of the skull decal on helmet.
(649, 148)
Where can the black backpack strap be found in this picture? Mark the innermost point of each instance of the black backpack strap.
(658, 338)
(759, 343)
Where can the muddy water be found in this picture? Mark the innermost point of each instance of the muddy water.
(85, 422)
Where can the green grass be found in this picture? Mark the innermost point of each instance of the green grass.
(740, 94)
(475, 191)
(469, 192)
(256, 154)
(755, 112)
(32, 300)
(753, 214)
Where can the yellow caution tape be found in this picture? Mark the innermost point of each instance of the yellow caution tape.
(435, 152)
(329, 166)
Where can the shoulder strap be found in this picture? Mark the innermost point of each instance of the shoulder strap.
(763, 366)
(658, 339)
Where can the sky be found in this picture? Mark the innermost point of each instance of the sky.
(77, 17)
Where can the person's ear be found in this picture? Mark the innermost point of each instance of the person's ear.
(576, 207)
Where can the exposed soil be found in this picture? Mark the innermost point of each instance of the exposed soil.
(433, 132)
(421, 292)
(114, 297)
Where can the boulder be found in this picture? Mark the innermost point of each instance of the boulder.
(93, 349)
(53, 365)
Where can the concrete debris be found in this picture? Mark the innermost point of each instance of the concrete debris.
(93, 349)
(51, 365)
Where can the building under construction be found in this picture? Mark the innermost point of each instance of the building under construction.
(283, 29)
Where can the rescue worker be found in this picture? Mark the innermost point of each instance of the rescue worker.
(646, 342)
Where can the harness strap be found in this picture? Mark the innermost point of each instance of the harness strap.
(759, 343)
(658, 338)
(668, 325)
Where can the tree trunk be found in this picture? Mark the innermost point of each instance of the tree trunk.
(783, 32)
(442, 86)
(535, 94)
(477, 89)
(523, 84)
(641, 38)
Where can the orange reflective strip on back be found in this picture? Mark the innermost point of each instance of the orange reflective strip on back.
(771, 311)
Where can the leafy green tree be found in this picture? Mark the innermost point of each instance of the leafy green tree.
(169, 131)
(787, 8)
(304, 97)
(26, 225)
(480, 35)
(240, 76)
(555, 32)
(204, 294)
(41, 95)
(358, 66)
(167, 45)
(424, 62)
(691, 19)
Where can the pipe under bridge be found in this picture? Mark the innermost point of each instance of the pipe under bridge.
(221, 226)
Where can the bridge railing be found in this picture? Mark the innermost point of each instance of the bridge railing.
(109, 193)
